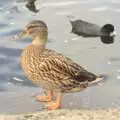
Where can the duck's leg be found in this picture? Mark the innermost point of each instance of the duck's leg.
(46, 98)
(53, 105)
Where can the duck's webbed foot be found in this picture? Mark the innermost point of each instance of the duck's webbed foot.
(53, 105)
(46, 98)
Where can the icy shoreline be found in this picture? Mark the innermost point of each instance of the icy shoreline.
(65, 114)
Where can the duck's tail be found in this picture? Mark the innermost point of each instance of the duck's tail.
(98, 79)
(88, 76)
(108, 34)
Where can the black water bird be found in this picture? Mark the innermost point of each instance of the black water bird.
(31, 6)
(87, 29)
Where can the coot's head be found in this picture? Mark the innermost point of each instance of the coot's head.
(108, 30)
(108, 34)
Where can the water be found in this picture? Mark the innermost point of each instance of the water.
(16, 92)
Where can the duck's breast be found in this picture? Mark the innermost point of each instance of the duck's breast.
(30, 61)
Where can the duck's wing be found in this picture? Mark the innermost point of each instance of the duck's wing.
(61, 73)
(64, 68)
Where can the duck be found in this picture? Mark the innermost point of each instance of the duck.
(54, 72)
(88, 29)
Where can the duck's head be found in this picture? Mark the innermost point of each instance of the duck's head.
(37, 30)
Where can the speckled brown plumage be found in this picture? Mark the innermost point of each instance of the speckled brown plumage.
(49, 69)
(52, 70)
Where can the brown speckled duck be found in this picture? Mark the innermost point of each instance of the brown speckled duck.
(51, 70)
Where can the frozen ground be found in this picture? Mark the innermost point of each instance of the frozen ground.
(16, 92)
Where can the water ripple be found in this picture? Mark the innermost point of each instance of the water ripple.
(62, 3)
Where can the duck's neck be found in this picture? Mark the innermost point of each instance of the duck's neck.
(40, 42)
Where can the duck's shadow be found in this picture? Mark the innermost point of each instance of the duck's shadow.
(9, 60)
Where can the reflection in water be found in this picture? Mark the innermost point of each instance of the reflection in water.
(21, 81)
(114, 59)
(10, 33)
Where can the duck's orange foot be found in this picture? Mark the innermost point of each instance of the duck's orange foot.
(43, 98)
(46, 98)
(53, 105)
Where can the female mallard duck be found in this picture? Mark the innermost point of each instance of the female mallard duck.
(51, 70)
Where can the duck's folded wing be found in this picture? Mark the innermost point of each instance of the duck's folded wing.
(62, 67)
